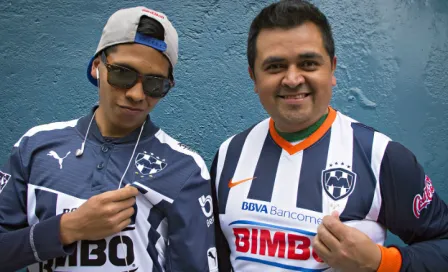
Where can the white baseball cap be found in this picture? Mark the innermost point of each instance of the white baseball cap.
(122, 28)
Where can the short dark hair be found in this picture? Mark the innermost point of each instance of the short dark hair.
(148, 27)
(288, 14)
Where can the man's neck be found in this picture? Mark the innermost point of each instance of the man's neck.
(304, 133)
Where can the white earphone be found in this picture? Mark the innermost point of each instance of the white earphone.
(97, 73)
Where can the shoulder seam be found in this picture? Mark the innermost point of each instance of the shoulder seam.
(46, 127)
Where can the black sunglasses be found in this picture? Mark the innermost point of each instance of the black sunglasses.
(125, 78)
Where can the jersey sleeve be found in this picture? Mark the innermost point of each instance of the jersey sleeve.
(222, 246)
(412, 210)
(17, 238)
(191, 235)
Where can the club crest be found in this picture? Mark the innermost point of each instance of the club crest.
(149, 164)
(338, 183)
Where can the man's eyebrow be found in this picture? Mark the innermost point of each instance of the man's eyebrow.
(306, 55)
(310, 55)
(273, 59)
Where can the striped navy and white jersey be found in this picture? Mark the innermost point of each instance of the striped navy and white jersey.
(270, 196)
(171, 230)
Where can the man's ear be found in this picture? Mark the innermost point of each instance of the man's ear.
(333, 70)
(94, 70)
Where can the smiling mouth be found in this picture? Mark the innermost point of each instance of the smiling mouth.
(297, 96)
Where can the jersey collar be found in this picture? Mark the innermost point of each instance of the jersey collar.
(313, 138)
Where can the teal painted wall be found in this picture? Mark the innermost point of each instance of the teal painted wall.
(392, 69)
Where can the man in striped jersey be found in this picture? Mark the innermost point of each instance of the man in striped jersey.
(310, 189)
(60, 209)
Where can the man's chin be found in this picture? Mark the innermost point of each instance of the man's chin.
(293, 122)
(128, 124)
(296, 116)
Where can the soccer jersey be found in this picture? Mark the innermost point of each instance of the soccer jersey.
(171, 230)
(270, 196)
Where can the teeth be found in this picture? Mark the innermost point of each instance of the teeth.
(299, 96)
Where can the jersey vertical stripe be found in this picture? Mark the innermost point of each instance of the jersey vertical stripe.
(238, 147)
(220, 161)
(262, 187)
(339, 159)
(155, 218)
(312, 166)
(359, 202)
(287, 180)
(144, 211)
(380, 142)
(363, 138)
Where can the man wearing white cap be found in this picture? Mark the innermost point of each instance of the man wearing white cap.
(65, 203)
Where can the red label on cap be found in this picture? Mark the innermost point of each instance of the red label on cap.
(154, 13)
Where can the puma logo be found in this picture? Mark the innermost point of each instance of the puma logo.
(56, 156)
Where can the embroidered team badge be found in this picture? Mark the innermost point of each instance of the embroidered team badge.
(4, 178)
(148, 164)
(338, 183)
(422, 201)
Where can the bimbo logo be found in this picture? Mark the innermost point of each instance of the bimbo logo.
(422, 201)
(112, 253)
(96, 254)
(256, 241)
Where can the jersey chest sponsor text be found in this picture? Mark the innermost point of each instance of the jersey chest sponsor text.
(101, 253)
(272, 210)
(274, 245)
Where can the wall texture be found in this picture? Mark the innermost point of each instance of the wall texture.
(392, 69)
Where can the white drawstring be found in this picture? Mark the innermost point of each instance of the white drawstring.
(80, 151)
(119, 186)
(133, 153)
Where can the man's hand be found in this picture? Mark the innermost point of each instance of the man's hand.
(100, 216)
(345, 248)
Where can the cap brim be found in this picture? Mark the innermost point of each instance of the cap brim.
(89, 75)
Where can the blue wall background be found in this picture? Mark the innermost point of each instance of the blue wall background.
(392, 69)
